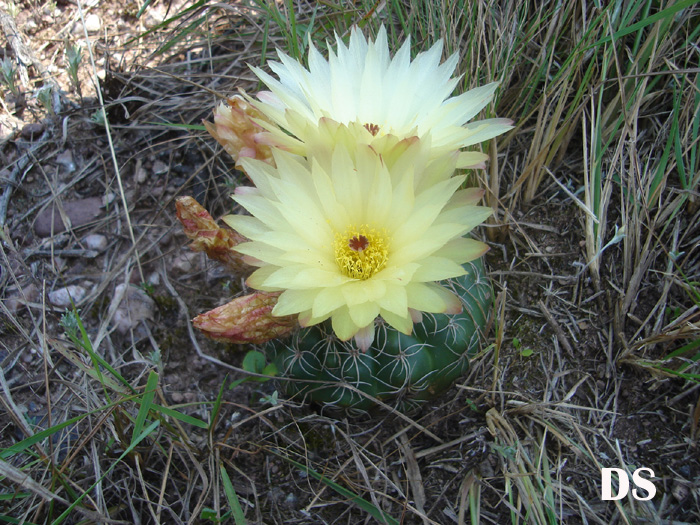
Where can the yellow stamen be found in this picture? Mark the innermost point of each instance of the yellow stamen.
(361, 252)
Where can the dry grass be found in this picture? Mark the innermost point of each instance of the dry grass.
(595, 260)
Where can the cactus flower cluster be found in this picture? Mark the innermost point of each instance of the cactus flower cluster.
(356, 232)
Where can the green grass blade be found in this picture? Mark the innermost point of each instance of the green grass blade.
(85, 343)
(120, 385)
(170, 412)
(40, 436)
(8, 519)
(143, 8)
(668, 12)
(232, 498)
(165, 23)
(217, 406)
(146, 404)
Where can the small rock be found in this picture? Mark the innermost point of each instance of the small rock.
(65, 159)
(153, 18)
(132, 305)
(140, 172)
(109, 198)
(679, 491)
(159, 167)
(95, 241)
(32, 131)
(29, 294)
(30, 26)
(177, 397)
(62, 297)
(153, 279)
(93, 23)
(185, 262)
(79, 212)
(10, 126)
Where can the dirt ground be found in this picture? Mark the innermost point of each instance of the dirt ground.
(557, 385)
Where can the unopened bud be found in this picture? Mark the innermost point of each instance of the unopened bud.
(235, 129)
(206, 236)
(246, 319)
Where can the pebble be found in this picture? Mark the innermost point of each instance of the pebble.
(32, 131)
(186, 397)
(177, 397)
(95, 241)
(16, 300)
(132, 305)
(140, 172)
(159, 167)
(65, 159)
(186, 262)
(153, 17)
(93, 23)
(10, 126)
(62, 297)
(79, 212)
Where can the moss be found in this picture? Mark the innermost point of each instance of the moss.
(317, 437)
(166, 304)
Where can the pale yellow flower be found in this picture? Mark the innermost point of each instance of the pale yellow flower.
(353, 238)
(361, 84)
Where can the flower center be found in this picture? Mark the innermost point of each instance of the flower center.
(372, 128)
(361, 252)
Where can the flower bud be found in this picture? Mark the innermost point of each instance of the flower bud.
(235, 129)
(206, 236)
(246, 319)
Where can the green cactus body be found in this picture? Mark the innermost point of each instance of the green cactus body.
(402, 371)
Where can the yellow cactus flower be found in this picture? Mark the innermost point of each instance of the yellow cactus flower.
(362, 84)
(354, 237)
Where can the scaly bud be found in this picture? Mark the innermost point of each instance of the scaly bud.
(207, 236)
(246, 319)
(235, 129)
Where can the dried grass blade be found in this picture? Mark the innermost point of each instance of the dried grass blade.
(147, 432)
(378, 514)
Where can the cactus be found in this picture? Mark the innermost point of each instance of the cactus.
(402, 371)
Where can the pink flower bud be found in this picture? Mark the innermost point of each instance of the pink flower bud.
(235, 129)
(246, 319)
(206, 236)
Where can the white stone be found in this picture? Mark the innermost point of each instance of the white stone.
(62, 296)
(95, 241)
(186, 262)
(131, 305)
(159, 167)
(93, 23)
